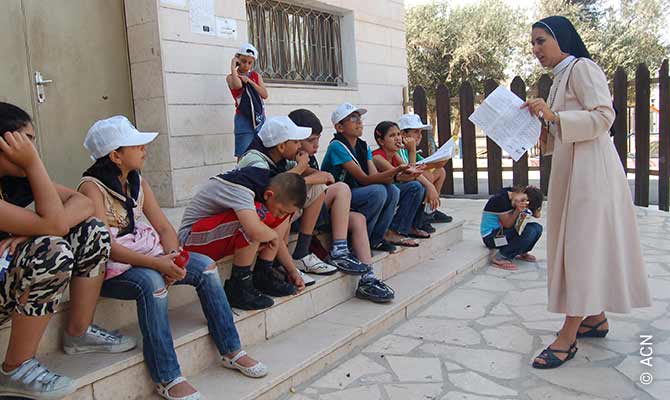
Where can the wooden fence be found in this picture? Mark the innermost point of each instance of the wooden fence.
(620, 86)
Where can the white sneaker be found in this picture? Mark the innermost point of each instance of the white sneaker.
(309, 281)
(312, 264)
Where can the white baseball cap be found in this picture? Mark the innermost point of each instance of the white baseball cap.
(277, 130)
(248, 49)
(109, 134)
(344, 110)
(412, 121)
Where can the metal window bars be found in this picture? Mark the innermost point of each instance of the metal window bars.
(296, 44)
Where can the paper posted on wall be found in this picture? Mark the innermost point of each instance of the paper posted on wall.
(514, 129)
(444, 153)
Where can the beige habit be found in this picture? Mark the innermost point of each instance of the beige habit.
(593, 246)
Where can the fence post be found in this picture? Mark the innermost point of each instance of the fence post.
(443, 107)
(520, 167)
(642, 98)
(421, 109)
(544, 85)
(620, 125)
(664, 137)
(493, 151)
(467, 107)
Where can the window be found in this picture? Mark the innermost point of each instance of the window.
(296, 44)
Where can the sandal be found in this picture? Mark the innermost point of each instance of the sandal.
(526, 257)
(258, 370)
(419, 234)
(550, 358)
(385, 246)
(593, 331)
(164, 390)
(404, 242)
(504, 264)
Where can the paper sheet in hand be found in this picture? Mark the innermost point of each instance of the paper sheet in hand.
(501, 119)
(444, 153)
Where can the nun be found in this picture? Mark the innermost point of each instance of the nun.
(594, 260)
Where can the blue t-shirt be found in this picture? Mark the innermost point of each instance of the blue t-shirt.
(498, 204)
(336, 155)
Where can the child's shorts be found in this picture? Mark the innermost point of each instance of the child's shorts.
(220, 235)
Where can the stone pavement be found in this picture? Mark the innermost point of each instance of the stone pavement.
(477, 341)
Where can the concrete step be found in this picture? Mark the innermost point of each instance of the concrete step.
(106, 374)
(307, 349)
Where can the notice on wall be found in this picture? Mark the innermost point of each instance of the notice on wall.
(203, 19)
(226, 28)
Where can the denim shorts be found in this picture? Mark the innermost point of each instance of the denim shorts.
(244, 133)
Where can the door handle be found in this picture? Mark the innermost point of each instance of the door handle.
(40, 82)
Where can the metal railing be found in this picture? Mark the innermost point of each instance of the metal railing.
(296, 44)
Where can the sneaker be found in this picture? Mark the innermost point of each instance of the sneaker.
(374, 290)
(349, 264)
(97, 340)
(34, 381)
(440, 217)
(272, 282)
(311, 264)
(242, 294)
(427, 227)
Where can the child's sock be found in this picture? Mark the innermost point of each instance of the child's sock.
(302, 246)
(239, 272)
(340, 248)
(369, 276)
(263, 265)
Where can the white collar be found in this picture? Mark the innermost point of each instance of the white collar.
(561, 66)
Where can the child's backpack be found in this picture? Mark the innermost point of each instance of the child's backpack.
(251, 105)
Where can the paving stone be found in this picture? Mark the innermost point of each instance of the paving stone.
(526, 297)
(658, 309)
(461, 304)
(452, 367)
(475, 383)
(453, 332)
(633, 368)
(658, 389)
(593, 353)
(383, 378)
(392, 344)
(536, 313)
(465, 396)
(493, 321)
(620, 347)
(555, 393)
(490, 283)
(501, 309)
(413, 369)
(657, 269)
(527, 276)
(509, 337)
(663, 324)
(662, 348)
(418, 391)
(532, 284)
(624, 331)
(596, 381)
(299, 397)
(496, 363)
(659, 287)
(359, 393)
(551, 326)
(348, 372)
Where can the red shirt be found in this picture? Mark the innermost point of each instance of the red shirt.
(237, 93)
(395, 161)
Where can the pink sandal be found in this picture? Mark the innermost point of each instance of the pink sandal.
(504, 264)
(526, 257)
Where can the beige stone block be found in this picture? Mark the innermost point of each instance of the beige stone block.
(132, 383)
(189, 120)
(252, 330)
(197, 58)
(289, 314)
(181, 295)
(418, 304)
(150, 115)
(231, 9)
(381, 94)
(158, 154)
(198, 355)
(161, 184)
(84, 393)
(310, 97)
(338, 291)
(197, 89)
(147, 79)
(186, 181)
(187, 151)
(143, 42)
(114, 314)
(381, 74)
(219, 149)
(140, 11)
(372, 33)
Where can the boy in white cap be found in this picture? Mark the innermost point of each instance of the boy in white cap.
(412, 130)
(248, 90)
(277, 148)
(349, 160)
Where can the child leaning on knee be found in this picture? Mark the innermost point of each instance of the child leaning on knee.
(142, 265)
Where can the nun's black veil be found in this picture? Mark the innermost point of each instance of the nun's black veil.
(565, 34)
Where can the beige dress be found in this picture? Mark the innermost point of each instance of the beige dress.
(594, 261)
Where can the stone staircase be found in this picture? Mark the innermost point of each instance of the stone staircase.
(297, 338)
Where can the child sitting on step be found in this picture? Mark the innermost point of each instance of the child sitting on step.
(414, 188)
(501, 213)
(336, 214)
(142, 265)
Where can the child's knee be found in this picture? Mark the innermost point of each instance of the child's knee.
(340, 189)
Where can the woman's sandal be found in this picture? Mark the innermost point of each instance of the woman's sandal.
(593, 331)
(164, 390)
(258, 370)
(550, 358)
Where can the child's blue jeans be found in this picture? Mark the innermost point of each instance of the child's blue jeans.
(410, 207)
(516, 245)
(147, 287)
(244, 133)
(377, 202)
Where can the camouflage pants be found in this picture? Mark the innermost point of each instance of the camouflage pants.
(43, 266)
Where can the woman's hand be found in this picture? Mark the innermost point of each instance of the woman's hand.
(410, 143)
(432, 198)
(12, 243)
(539, 108)
(166, 266)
